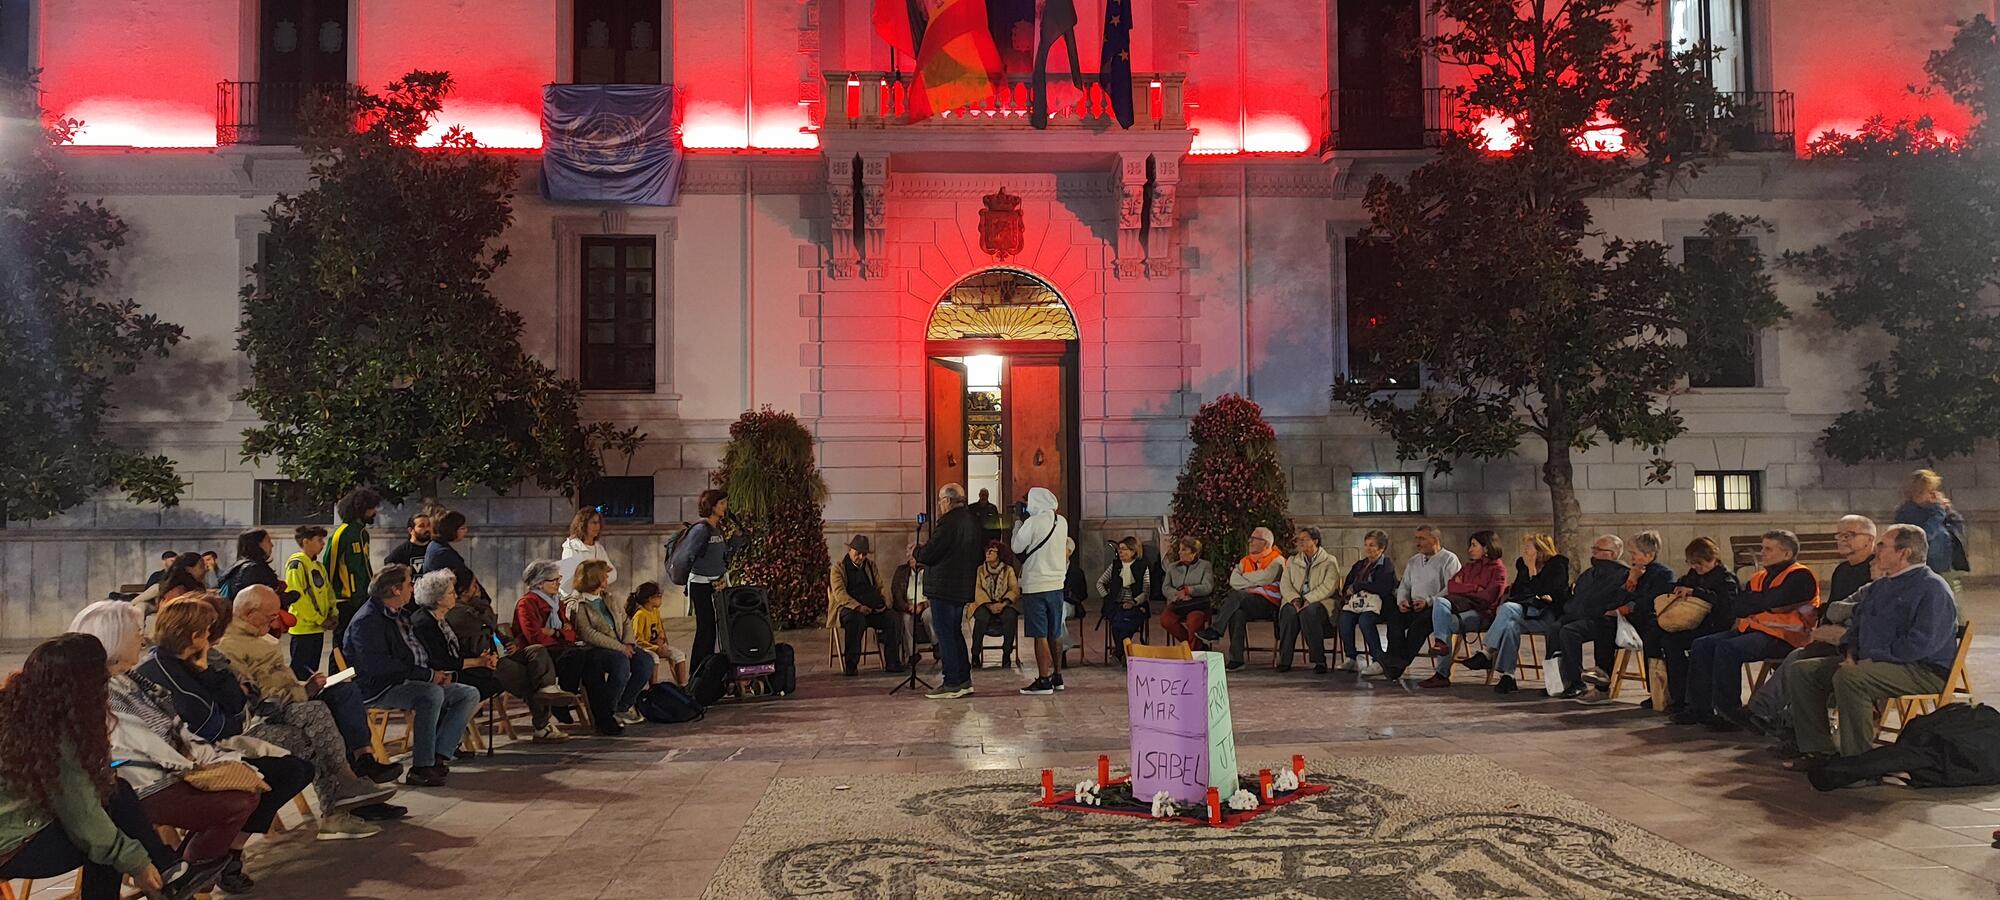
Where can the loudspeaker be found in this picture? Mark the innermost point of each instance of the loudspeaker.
(745, 614)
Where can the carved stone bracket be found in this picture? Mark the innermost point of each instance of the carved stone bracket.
(840, 200)
(1160, 222)
(874, 214)
(1131, 252)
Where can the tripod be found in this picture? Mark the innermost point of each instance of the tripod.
(912, 680)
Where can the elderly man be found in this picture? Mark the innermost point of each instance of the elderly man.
(1856, 537)
(1425, 575)
(308, 705)
(1253, 594)
(1901, 641)
(1311, 577)
(1592, 616)
(1775, 615)
(855, 603)
(395, 673)
(955, 551)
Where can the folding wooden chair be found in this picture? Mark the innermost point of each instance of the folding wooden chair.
(1622, 671)
(1143, 651)
(1522, 666)
(1957, 686)
(869, 645)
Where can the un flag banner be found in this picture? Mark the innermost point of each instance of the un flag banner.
(610, 143)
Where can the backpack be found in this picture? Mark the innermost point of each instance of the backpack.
(664, 702)
(227, 584)
(708, 680)
(680, 555)
(785, 678)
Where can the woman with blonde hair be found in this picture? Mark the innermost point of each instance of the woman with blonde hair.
(628, 670)
(1926, 506)
(586, 530)
(1534, 602)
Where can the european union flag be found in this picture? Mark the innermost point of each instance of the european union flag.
(1114, 69)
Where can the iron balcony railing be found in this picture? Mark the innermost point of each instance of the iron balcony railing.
(267, 112)
(1763, 122)
(858, 100)
(1386, 118)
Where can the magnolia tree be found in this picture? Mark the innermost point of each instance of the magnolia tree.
(775, 497)
(1529, 320)
(1232, 481)
(1922, 269)
(66, 341)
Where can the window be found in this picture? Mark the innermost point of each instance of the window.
(1728, 492)
(619, 293)
(281, 502)
(1381, 493)
(1723, 27)
(617, 41)
(621, 498)
(1736, 363)
(14, 43)
(1369, 273)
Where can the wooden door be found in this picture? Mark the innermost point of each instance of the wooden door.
(946, 384)
(1381, 81)
(1035, 435)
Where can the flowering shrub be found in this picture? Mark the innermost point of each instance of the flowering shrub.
(1232, 481)
(775, 495)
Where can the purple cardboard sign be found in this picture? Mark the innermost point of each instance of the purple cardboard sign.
(1167, 702)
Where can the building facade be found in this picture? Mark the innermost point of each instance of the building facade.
(827, 257)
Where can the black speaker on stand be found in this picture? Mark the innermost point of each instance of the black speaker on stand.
(745, 617)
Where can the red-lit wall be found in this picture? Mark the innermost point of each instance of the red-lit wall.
(138, 72)
(1849, 59)
(499, 53)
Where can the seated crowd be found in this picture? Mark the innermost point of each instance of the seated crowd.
(183, 708)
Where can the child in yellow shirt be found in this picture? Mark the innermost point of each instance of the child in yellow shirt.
(651, 633)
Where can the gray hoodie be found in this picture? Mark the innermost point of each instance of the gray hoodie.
(1045, 533)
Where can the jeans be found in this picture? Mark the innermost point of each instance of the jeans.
(1311, 623)
(350, 715)
(305, 654)
(1364, 623)
(948, 626)
(1715, 671)
(441, 712)
(701, 601)
(1854, 691)
(1504, 637)
(625, 677)
(51, 852)
(1445, 623)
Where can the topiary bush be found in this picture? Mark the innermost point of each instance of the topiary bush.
(775, 497)
(1232, 481)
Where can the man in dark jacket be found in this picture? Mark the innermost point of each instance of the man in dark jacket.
(411, 552)
(956, 550)
(394, 672)
(1600, 590)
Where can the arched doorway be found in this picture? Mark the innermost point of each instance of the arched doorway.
(1001, 383)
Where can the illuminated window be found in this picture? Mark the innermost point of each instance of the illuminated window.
(1728, 492)
(620, 292)
(1369, 269)
(621, 498)
(618, 41)
(1386, 493)
(1736, 365)
(14, 43)
(1721, 25)
(281, 502)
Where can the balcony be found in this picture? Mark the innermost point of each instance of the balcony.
(1386, 119)
(267, 112)
(1763, 122)
(871, 100)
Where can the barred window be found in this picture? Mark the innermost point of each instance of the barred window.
(1728, 492)
(1382, 493)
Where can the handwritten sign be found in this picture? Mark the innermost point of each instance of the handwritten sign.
(1182, 738)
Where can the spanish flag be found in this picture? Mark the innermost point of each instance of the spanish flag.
(901, 24)
(957, 63)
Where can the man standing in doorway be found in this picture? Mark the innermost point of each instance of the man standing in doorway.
(347, 562)
(956, 550)
(1041, 540)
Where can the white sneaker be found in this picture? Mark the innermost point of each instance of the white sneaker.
(1350, 664)
(345, 827)
(630, 717)
(552, 690)
(550, 734)
(1370, 667)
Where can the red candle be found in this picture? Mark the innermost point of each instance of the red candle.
(1264, 783)
(1103, 769)
(1214, 807)
(1048, 785)
(1299, 766)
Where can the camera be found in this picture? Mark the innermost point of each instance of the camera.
(923, 518)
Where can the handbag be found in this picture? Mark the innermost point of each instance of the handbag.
(1680, 613)
(1462, 603)
(1364, 603)
(228, 775)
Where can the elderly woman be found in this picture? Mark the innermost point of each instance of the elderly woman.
(1370, 583)
(436, 595)
(1125, 587)
(996, 606)
(626, 671)
(1188, 583)
(149, 728)
(1707, 582)
(542, 619)
(525, 670)
(1534, 604)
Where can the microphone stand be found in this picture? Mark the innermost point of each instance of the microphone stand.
(912, 679)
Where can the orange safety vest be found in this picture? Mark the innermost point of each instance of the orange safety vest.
(1793, 626)
(1253, 564)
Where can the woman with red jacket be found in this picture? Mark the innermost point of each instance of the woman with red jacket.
(539, 621)
(1474, 594)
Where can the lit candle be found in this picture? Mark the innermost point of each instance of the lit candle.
(1264, 783)
(1214, 807)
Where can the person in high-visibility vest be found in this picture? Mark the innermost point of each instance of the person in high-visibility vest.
(347, 561)
(1775, 615)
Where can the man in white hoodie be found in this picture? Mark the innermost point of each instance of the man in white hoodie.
(1040, 538)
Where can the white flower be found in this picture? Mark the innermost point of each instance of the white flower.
(1163, 806)
(1286, 780)
(1087, 793)
(1242, 800)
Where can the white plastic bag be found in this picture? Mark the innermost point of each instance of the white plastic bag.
(1552, 676)
(1628, 637)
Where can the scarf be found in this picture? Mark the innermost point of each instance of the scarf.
(555, 622)
(1262, 561)
(992, 578)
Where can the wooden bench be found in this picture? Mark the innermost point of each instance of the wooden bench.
(1814, 547)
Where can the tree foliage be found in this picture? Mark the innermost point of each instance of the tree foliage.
(66, 343)
(1921, 268)
(379, 353)
(775, 497)
(1232, 481)
(1527, 319)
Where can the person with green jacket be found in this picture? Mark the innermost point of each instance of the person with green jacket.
(61, 808)
(346, 556)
